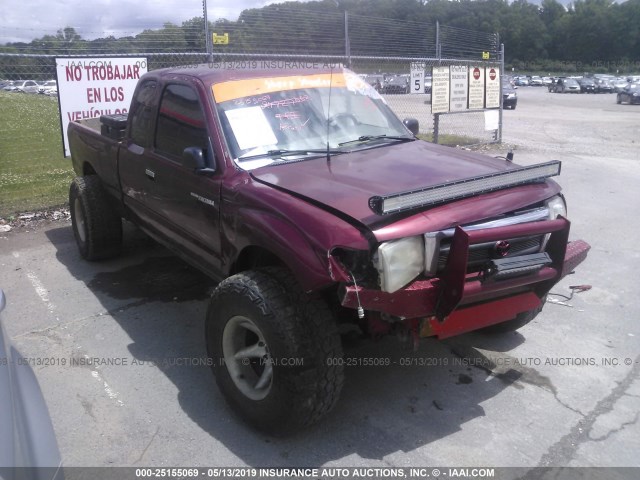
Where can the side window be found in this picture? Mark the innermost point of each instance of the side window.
(142, 112)
(181, 122)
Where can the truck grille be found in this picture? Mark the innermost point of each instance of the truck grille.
(438, 244)
(480, 254)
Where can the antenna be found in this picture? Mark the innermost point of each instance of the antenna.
(329, 112)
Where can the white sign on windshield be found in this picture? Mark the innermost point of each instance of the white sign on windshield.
(90, 87)
(251, 128)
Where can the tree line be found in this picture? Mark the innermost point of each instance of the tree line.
(587, 35)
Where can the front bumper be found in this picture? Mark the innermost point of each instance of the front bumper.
(458, 302)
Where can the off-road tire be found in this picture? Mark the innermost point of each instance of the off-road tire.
(97, 228)
(520, 321)
(294, 326)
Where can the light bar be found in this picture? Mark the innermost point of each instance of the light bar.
(398, 202)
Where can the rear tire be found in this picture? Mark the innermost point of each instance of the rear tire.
(275, 351)
(96, 226)
(520, 321)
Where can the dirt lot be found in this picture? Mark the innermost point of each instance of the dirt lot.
(563, 391)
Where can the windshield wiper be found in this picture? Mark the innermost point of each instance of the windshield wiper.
(288, 153)
(369, 138)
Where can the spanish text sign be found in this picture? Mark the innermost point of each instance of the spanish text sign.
(90, 87)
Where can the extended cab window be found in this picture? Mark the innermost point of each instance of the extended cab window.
(142, 112)
(181, 122)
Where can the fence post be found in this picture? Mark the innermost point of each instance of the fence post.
(438, 53)
(436, 116)
(501, 92)
(207, 35)
(347, 44)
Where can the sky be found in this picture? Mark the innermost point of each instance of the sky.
(24, 20)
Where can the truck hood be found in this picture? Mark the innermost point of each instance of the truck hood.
(347, 182)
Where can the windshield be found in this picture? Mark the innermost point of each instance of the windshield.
(300, 114)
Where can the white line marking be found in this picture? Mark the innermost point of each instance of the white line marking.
(39, 287)
(111, 393)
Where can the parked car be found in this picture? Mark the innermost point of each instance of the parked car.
(9, 86)
(395, 85)
(619, 84)
(521, 81)
(604, 85)
(587, 85)
(536, 81)
(312, 220)
(509, 96)
(376, 81)
(565, 85)
(546, 81)
(630, 94)
(428, 83)
(28, 446)
(50, 87)
(26, 86)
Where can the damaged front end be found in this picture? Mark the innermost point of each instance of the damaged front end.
(464, 278)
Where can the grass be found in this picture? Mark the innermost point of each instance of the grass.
(33, 171)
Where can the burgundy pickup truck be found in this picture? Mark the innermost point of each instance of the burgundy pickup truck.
(317, 210)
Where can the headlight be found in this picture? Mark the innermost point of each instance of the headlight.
(398, 262)
(557, 207)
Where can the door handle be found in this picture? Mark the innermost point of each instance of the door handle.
(150, 173)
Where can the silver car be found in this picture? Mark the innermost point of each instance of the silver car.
(28, 447)
(26, 86)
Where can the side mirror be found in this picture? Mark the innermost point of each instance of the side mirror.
(193, 159)
(412, 124)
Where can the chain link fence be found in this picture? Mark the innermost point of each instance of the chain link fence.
(381, 50)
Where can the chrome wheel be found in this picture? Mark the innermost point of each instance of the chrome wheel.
(78, 216)
(247, 358)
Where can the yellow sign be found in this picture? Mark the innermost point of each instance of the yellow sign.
(485, 55)
(221, 39)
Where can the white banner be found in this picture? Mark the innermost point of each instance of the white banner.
(476, 88)
(90, 87)
(493, 87)
(440, 90)
(459, 88)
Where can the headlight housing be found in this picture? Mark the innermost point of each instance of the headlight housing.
(557, 207)
(398, 262)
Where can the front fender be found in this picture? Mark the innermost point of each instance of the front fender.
(298, 233)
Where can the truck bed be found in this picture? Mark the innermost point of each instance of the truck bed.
(95, 153)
